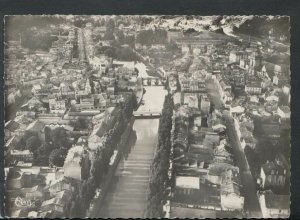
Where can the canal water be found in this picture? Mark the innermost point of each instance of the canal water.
(127, 196)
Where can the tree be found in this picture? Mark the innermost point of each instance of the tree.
(145, 37)
(81, 123)
(22, 144)
(42, 154)
(134, 101)
(130, 40)
(121, 37)
(160, 165)
(59, 137)
(128, 107)
(48, 134)
(32, 143)
(109, 33)
(110, 25)
(172, 46)
(57, 157)
(110, 52)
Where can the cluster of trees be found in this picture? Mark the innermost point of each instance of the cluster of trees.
(55, 148)
(117, 37)
(100, 161)
(109, 33)
(148, 37)
(36, 40)
(18, 24)
(185, 66)
(12, 108)
(75, 50)
(254, 161)
(81, 124)
(51, 152)
(98, 169)
(129, 106)
(159, 171)
(260, 26)
(122, 39)
(29, 141)
(172, 46)
(57, 140)
(118, 53)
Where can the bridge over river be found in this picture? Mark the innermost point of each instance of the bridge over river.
(127, 196)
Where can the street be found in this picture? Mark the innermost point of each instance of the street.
(251, 206)
(249, 187)
(212, 90)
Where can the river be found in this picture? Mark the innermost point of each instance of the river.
(127, 195)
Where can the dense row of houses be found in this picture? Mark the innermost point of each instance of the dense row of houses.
(61, 92)
(250, 89)
(260, 92)
(205, 179)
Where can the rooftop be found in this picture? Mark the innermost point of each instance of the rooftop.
(274, 201)
(285, 109)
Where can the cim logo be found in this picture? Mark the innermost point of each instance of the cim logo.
(20, 202)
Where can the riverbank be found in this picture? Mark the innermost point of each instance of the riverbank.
(126, 190)
(109, 176)
(127, 194)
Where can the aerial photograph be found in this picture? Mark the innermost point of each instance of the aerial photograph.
(139, 116)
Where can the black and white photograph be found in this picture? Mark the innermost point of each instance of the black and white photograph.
(147, 116)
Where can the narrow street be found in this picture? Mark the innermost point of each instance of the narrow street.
(251, 206)
(249, 188)
(212, 90)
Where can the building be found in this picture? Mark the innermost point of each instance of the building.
(12, 128)
(236, 110)
(205, 105)
(284, 112)
(199, 43)
(236, 56)
(101, 123)
(57, 105)
(269, 70)
(58, 203)
(101, 101)
(37, 126)
(273, 175)
(35, 193)
(18, 179)
(76, 163)
(61, 184)
(86, 103)
(34, 103)
(253, 87)
(273, 205)
(269, 127)
(53, 204)
(36, 88)
(193, 84)
(100, 63)
(191, 100)
(21, 155)
(177, 98)
(231, 198)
